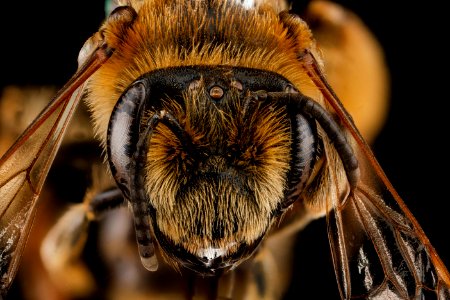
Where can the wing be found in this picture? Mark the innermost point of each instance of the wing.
(25, 165)
(379, 249)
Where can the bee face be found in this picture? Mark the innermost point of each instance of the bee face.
(217, 162)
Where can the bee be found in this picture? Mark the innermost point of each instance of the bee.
(221, 134)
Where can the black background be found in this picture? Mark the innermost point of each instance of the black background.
(40, 43)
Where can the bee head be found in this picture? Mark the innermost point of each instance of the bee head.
(214, 162)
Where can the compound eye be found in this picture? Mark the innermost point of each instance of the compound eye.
(123, 133)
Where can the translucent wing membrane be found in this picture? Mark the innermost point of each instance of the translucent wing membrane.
(379, 250)
(24, 167)
(22, 174)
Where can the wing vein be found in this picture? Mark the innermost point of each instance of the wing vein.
(378, 242)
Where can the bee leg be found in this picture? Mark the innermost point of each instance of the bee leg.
(65, 242)
(103, 202)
